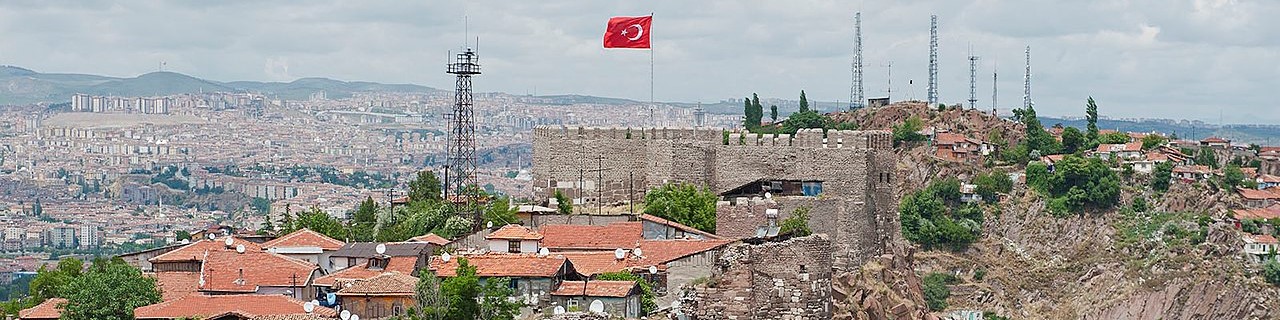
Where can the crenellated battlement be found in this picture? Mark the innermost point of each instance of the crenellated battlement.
(598, 133)
(811, 138)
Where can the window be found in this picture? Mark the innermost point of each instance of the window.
(351, 262)
(811, 188)
(572, 303)
(513, 246)
(513, 283)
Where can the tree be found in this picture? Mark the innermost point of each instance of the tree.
(685, 204)
(1161, 175)
(1271, 272)
(936, 291)
(647, 303)
(757, 112)
(1151, 141)
(50, 283)
(319, 221)
(1073, 140)
(803, 120)
(1091, 115)
(797, 224)
(462, 291)
(500, 212)
(109, 290)
(426, 187)
(430, 301)
(1206, 157)
(1076, 183)
(749, 118)
(804, 102)
(1232, 177)
(260, 205)
(773, 113)
(184, 235)
(990, 185)
(563, 204)
(909, 131)
(1114, 138)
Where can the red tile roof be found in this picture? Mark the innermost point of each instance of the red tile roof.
(1271, 212)
(588, 237)
(591, 263)
(1193, 169)
(1214, 140)
(1254, 194)
(305, 238)
(403, 265)
(386, 284)
(598, 288)
(1266, 178)
(1119, 147)
(1262, 238)
(45, 310)
(514, 232)
(177, 284)
(677, 225)
(196, 250)
(505, 265)
(200, 306)
(432, 239)
(245, 272)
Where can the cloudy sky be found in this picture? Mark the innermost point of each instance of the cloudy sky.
(1196, 59)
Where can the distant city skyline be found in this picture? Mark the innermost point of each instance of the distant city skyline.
(1208, 60)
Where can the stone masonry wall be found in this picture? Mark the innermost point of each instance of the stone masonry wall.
(774, 280)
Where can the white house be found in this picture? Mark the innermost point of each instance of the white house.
(1260, 246)
(513, 238)
(306, 245)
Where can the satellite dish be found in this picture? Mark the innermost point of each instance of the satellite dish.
(653, 269)
(544, 252)
(619, 253)
(230, 241)
(675, 304)
(381, 248)
(212, 236)
(558, 310)
(239, 248)
(489, 225)
(597, 306)
(445, 257)
(185, 241)
(637, 252)
(315, 302)
(308, 307)
(768, 195)
(355, 317)
(345, 315)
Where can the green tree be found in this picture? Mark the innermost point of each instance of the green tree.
(748, 114)
(500, 212)
(430, 302)
(685, 204)
(757, 112)
(564, 205)
(803, 120)
(1091, 115)
(804, 102)
(1161, 175)
(797, 224)
(109, 290)
(909, 131)
(773, 113)
(1151, 141)
(184, 235)
(1075, 184)
(990, 185)
(319, 221)
(1206, 157)
(1271, 272)
(936, 291)
(495, 301)
(1114, 138)
(1232, 177)
(647, 303)
(425, 187)
(50, 283)
(260, 205)
(462, 291)
(1073, 140)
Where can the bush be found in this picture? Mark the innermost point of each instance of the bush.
(927, 220)
(1161, 175)
(684, 204)
(909, 131)
(990, 185)
(1076, 184)
(979, 274)
(1271, 272)
(936, 291)
(796, 225)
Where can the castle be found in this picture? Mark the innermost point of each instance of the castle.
(844, 177)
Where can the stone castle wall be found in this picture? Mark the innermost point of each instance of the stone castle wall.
(773, 280)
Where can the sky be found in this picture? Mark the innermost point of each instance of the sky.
(1211, 60)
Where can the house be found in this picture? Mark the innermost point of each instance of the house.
(1215, 142)
(1050, 160)
(231, 266)
(969, 194)
(328, 285)
(567, 237)
(359, 253)
(1254, 198)
(1148, 162)
(1192, 172)
(513, 238)
(431, 238)
(1175, 155)
(387, 295)
(140, 259)
(236, 306)
(47, 310)
(619, 298)
(1123, 151)
(1269, 153)
(1266, 181)
(957, 147)
(1259, 247)
(306, 245)
(531, 276)
(1269, 212)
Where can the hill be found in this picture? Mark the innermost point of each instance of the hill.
(23, 86)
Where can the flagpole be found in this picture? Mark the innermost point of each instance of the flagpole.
(651, 104)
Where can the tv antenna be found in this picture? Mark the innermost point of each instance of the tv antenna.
(1026, 82)
(856, 95)
(933, 60)
(973, 79)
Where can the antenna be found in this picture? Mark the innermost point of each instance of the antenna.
(445, 256)
(856, 97)
(653, 269)
(345, 315)
(212, 236)
(933, 60)
(597, 306)
(380, 249)
(637, 252)
(889, 69)
(240, 248)
(230, 241)
(995, 70)
(973, 79)
(355, 316)
(619, 253)
(1026, 82)
(544, 252)
(308, 307)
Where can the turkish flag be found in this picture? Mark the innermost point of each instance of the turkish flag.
(628, 32)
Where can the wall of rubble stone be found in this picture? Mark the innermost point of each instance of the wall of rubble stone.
(856, 207)
(789, 279)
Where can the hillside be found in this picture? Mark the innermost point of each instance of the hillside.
(1180, 259)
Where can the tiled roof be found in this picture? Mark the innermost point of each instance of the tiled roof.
(290, 317)
(598, 288)
(607, 237)
(677, 225)
(1193, 169)
(1119, 147)
(244, 272)
(663, 251)
(1271, 212)
(1266, 178)
(386, 284)
(514, 232)
(1214, 140)
(45, 310)
(177, 284)
(1255, 194)
(369, 249)
(432, 239)
(590, 263)
(305, 238)
(403, 265)
(1261, 238)
(200, 306)
(504, 265)
(196, 250)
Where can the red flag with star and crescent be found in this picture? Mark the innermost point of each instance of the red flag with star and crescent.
(628, 32)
